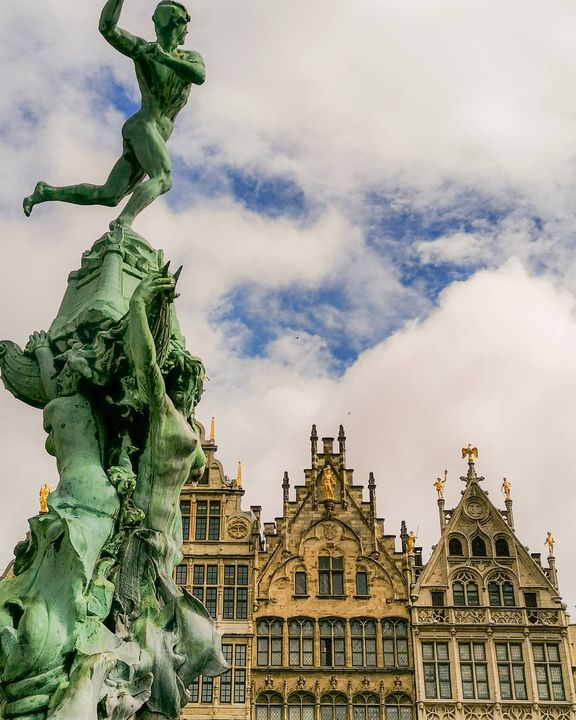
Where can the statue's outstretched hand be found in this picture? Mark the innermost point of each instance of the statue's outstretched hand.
(153, 285)
(38, 339)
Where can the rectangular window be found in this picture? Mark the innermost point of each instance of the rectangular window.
(511, 676)
(185, 512)
(437, 683)
(473, 671)
(300, 584)
(233, 681)
(201, 520)
(214, 521)
(235, 605)
(548, 671)
(201, 690)
(205, 586)
(181, 574)
(361, 583)
(269, 643)
(531, 599)
(437, 598)
(330, 575)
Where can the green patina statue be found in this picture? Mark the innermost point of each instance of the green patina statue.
(165, 74)
(92, 624)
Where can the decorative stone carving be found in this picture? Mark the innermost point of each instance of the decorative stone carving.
(517, 712)
(238, 528)
(470, 615)
(506, 617)
(478, 712)
(440, 712)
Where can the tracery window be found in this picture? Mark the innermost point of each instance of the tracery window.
(301, 642)
(398, 706)
(366, 706)
(301, 706)
(501, 591)
(332, 643)
(333, 706)
(269, 642)
(363, 635)
(395, 642)
(269, 706)
(465, 590)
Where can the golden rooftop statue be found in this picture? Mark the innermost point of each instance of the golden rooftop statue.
(328, 483)
(471, 452)
(411, 542)
(506, 488)
(439, 485)
(45, 490)
(550, 543)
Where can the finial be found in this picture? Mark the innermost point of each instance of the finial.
(239, 475)
(470, 452)
(285, 479)
(506, 488)
(371, 480)
(285, 486)
(341, 433)
(212, 431)
(314, 433)
(550, 543)
(314, 440)
(45, 490)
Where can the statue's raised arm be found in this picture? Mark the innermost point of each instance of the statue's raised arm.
(122, 40)
(165, 74)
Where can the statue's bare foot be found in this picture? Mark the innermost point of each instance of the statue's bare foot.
(121, 223)
(36, 197)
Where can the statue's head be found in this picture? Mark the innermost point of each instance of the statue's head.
(171, 19)
(184, 377)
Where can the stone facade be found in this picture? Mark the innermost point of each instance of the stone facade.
(326, 617)
(489, 629)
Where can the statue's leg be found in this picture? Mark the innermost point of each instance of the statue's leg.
(125, 174)
(152, 156)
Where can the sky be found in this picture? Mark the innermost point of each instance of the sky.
(374, 203)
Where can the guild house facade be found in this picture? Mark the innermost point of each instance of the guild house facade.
(325, 616)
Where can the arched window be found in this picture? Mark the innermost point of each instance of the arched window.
(269, 706)
(301, 706)
(301, 642)
(398, 707)
(363, 634)
(478, 547)
(269, 642)
(501, 546)
(395, 641)
(333, 706)
(332, 645)
(465, 590)
(455, 547)
(366, 706)
(501, 591)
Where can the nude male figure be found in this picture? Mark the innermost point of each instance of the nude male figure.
(165, 75)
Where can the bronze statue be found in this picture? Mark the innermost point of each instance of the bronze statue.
(165, 75)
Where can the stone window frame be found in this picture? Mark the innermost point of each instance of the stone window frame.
(363, 644)
(269, 644)
(300, 643)
(469, 589)
(396, 644)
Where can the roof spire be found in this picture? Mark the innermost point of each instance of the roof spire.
(239, 475)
